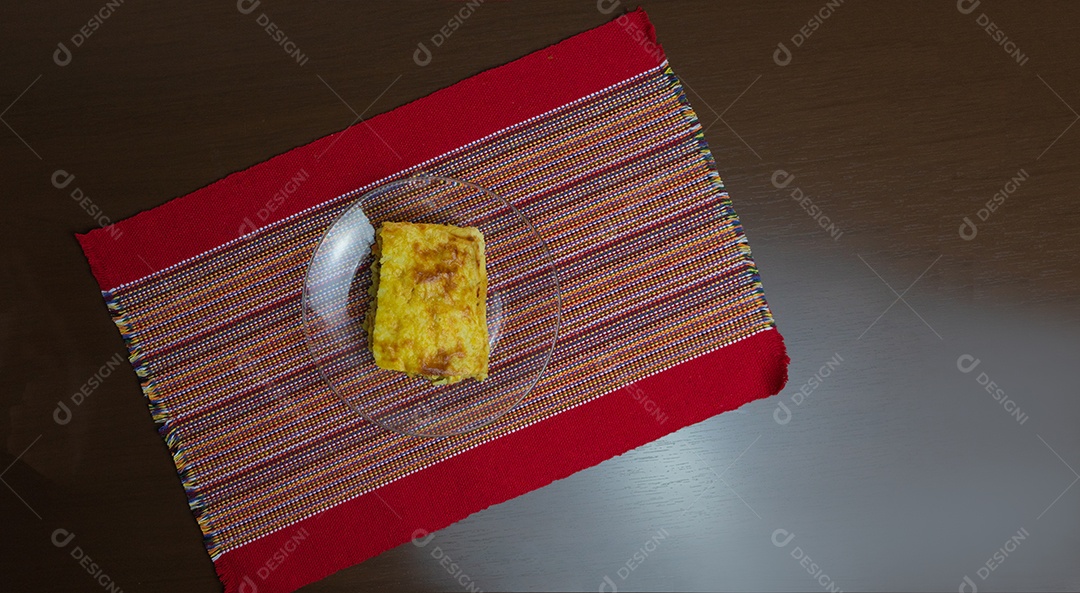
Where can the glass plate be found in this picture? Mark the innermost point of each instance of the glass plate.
(523, 308)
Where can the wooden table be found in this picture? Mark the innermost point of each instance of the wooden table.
(855, 139)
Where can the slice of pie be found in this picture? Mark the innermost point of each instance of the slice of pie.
(429, 286)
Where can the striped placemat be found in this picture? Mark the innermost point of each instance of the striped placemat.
(654, 271)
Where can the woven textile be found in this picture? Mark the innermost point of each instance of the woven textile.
(654, 271)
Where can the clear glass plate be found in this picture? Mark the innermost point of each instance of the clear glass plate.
(523, 308)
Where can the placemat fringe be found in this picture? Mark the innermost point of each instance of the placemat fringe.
(728, 209)
(160, 412)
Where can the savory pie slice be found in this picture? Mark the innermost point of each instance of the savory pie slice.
(429, 319)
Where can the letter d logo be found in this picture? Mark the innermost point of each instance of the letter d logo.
(782, 179)
(967, 363)
(246, 227)
(62, 413)
(972, 5)
(421, 537)
(62, 537)
(62, 179)
(422, 55)
(968, 230)
(248, 586)
(781, 420)
(247, 6)
(62, 55)
(607, 7)
(782, 55)
(776, 535)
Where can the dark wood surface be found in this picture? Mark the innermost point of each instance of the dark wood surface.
(897, 120)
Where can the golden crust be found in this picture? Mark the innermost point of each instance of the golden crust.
(430, 316)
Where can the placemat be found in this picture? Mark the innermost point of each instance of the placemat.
(594, 140)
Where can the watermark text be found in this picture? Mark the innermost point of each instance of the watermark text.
(996, 559)
(62, 537)
(782, 54)
(781, 179)
(62, 414)
(607, 585)
(275, 201)
(63, 54)
(968, 228)
(422, 537)
(273, 30)
(782, 537)
(61, 179)
(967, 363)
(275, 561)
(992, 30)
(422, 55)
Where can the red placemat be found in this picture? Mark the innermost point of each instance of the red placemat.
(595, 141)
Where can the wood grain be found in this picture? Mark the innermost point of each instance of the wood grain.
(896, 121)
